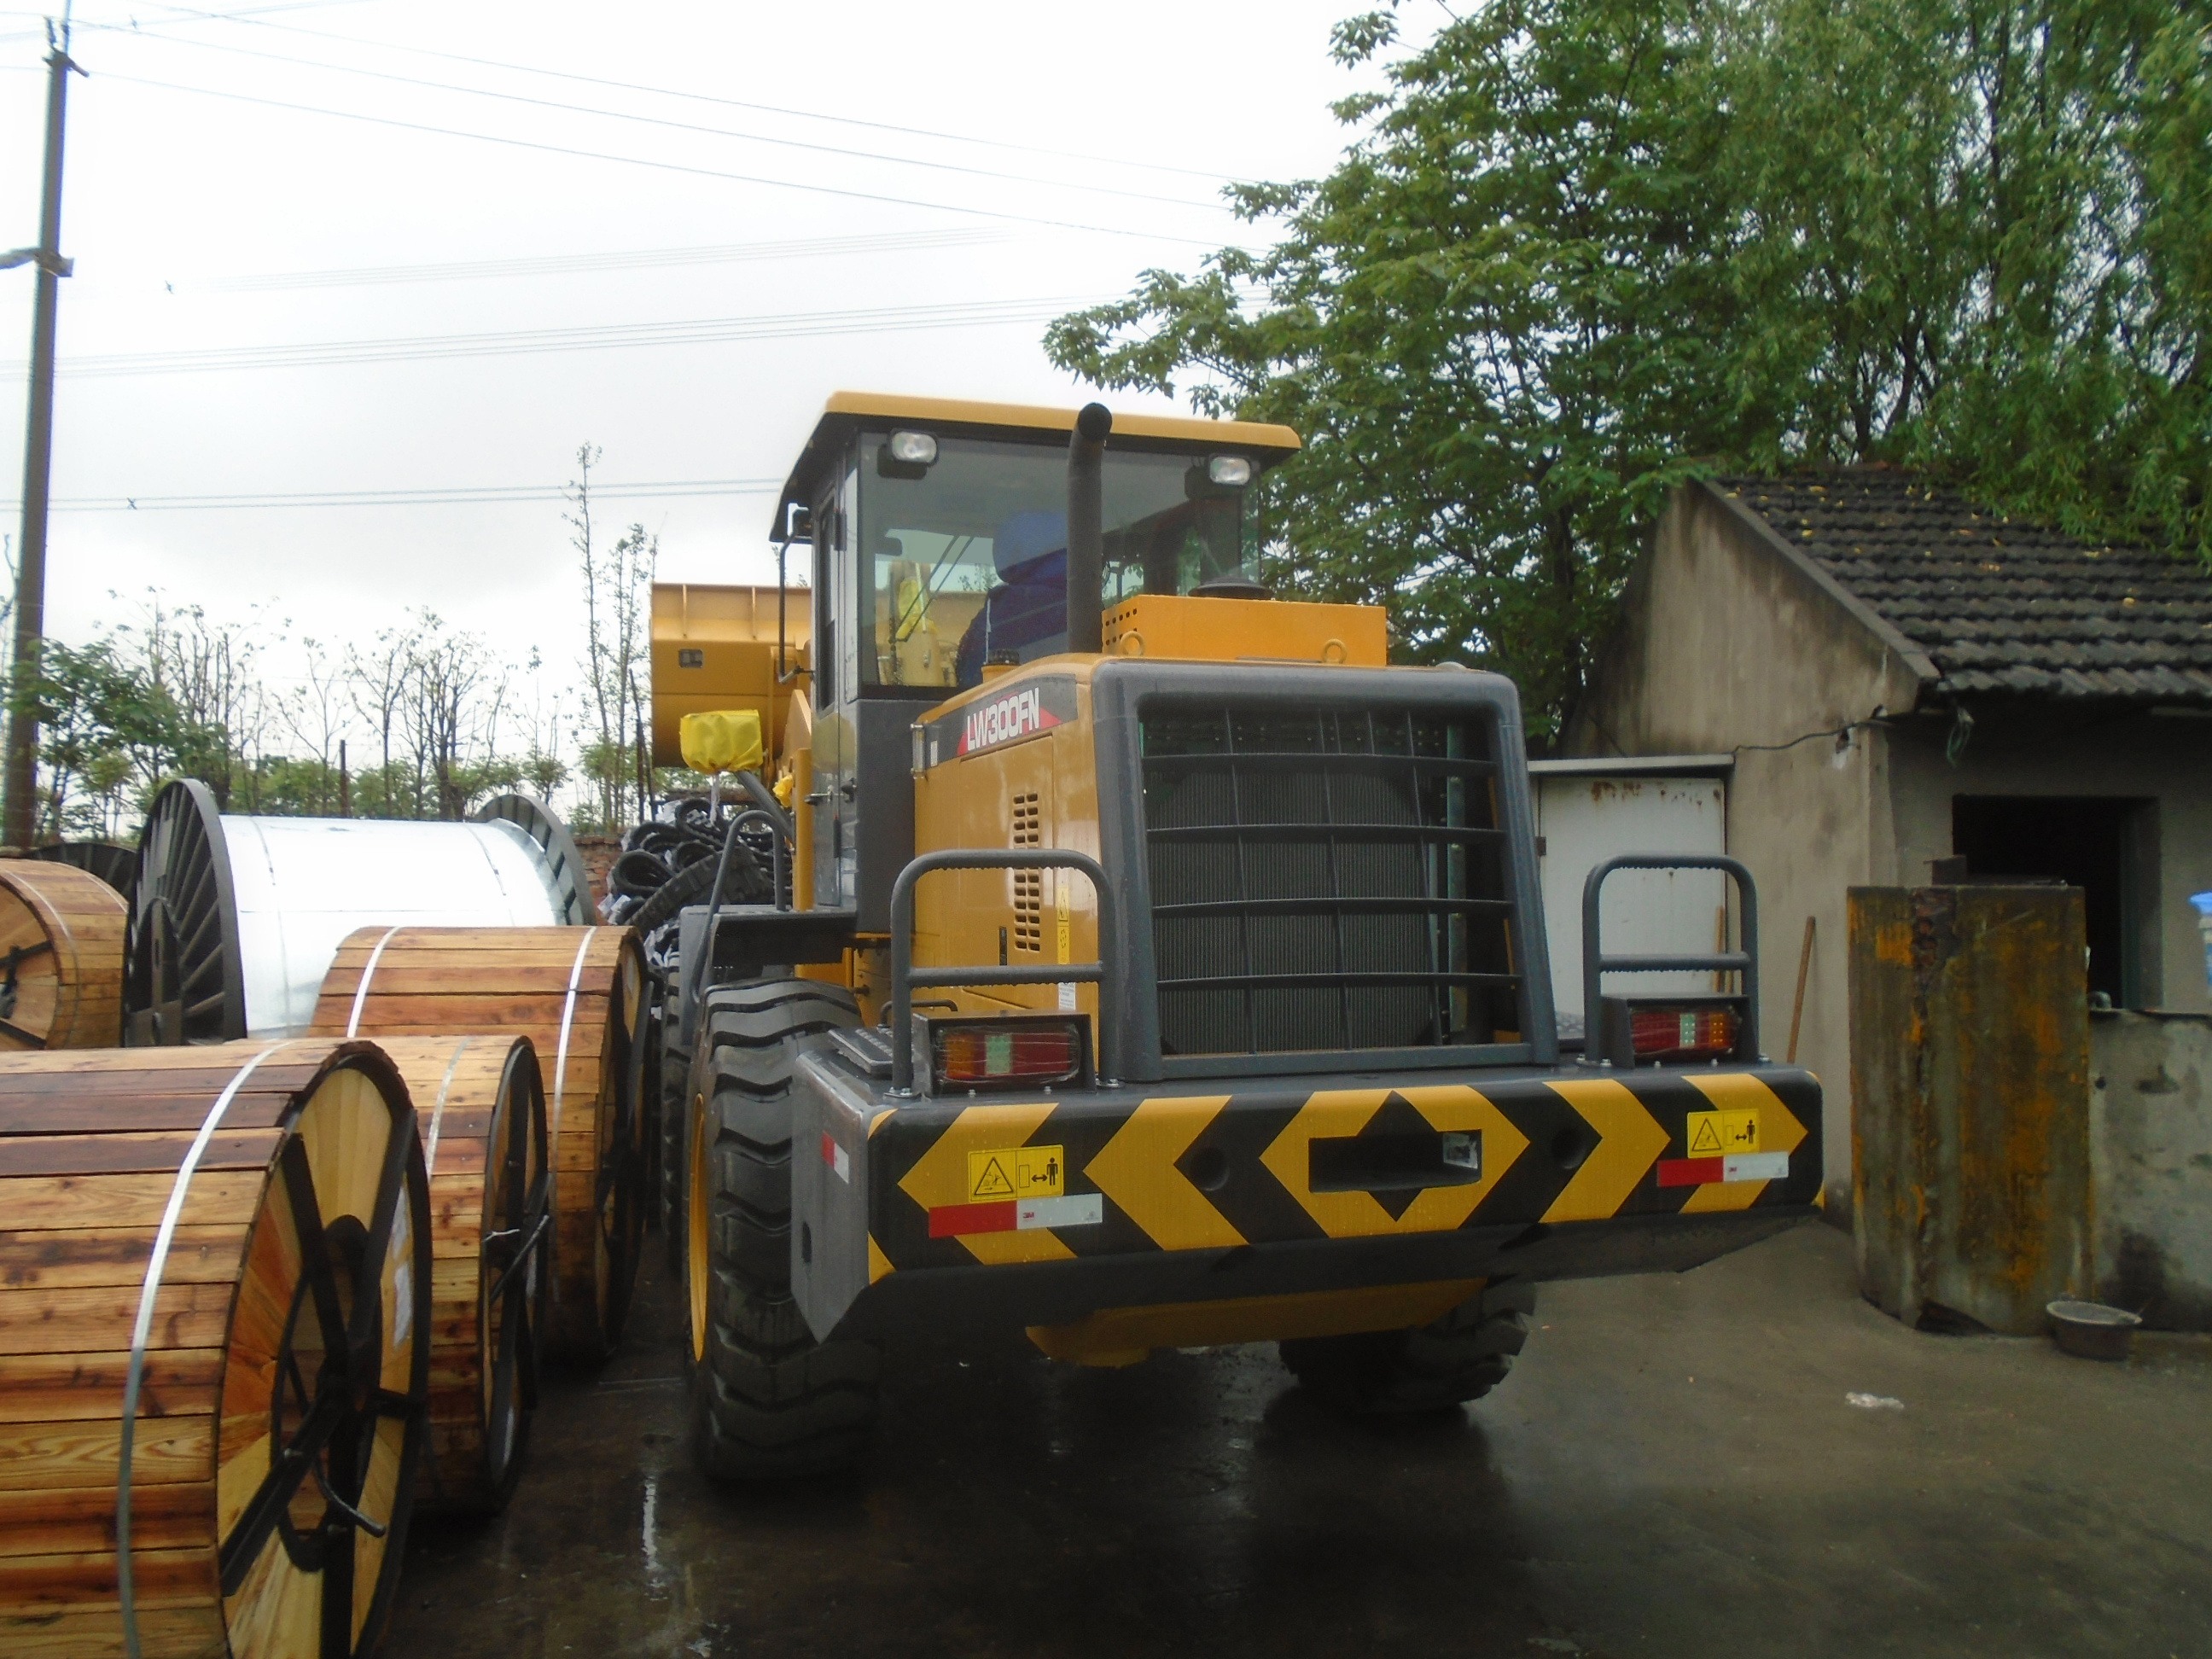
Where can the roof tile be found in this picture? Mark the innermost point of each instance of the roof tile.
(2000, 604)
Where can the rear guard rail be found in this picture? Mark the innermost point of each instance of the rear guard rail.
(1596, 964)
(905, 977)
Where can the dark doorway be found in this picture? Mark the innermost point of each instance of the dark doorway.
(2085, 841)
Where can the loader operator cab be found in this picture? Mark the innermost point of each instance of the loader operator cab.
(940, 546)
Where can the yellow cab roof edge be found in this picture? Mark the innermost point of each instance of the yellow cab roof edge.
(845, 409)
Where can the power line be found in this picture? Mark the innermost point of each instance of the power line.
(662, 166)
(251, 16)
(638, 260)
(511, 342)
(679, 126)
(430, 497)
(1214, 176)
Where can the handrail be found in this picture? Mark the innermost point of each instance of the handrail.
(1596, 964)
(904, 977)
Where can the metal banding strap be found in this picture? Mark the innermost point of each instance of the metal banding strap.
(438, 1112)
(125, 1578)
(368, 973)
(561, 1072)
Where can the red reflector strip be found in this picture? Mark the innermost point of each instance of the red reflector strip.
(955, 1219)
(1018, 1215)
(1741, 1166)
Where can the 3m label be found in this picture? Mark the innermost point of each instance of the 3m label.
(1084, 1210)
(1016, 1172)
(1724, 1134)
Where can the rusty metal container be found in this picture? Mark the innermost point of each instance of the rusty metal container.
(1970, 1117)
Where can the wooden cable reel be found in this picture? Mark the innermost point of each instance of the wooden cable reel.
(482, 1106)
(214, 1349)
(62, 934)
(186, 981)
(581, 995)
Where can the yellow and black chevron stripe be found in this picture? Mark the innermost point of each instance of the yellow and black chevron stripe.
(1196, 1172)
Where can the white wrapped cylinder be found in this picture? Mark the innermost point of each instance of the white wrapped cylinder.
(300, 885)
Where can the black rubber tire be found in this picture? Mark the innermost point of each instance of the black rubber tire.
(745, 884)
(675, 1125)
(768, 1401)
(1436, 1367)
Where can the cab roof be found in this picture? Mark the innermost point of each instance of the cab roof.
(847, 413)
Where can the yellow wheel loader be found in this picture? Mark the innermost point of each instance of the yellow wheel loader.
(1145, 962)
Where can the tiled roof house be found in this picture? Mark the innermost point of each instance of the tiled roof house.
(1901, 678)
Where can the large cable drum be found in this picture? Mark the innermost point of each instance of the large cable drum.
(62, 934)
(581, 995)
(213, 1352)
(482, 1107)
(234, 919)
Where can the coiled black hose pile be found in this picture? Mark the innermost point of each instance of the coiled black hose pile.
(669, 862)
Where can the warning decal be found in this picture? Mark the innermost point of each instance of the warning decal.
(1724, 1134)
(1017, 1172)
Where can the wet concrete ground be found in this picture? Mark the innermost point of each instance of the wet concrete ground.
(1673, 1468)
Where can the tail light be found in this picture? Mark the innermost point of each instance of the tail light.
(1009, 1051)
(1664, 1034)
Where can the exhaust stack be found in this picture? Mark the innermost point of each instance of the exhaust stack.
(1086, 549)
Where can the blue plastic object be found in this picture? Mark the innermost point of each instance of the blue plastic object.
(2203, 903)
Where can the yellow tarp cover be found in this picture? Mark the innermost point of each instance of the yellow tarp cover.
(723, 740)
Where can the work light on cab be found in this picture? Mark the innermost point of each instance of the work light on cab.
(914, 448)
(1230, 471)
(1009, 1051)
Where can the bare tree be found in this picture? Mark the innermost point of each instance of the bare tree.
(455, 696)
(211, 672)
(376, 686)
(314, 712)
(617, 630)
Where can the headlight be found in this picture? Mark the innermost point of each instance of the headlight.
(914, 448)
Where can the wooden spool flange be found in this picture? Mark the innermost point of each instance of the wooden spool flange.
(580, 995)
(482, 1107)
(214, 1361)
(62, 933)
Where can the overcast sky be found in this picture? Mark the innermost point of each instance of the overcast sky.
(757, 177)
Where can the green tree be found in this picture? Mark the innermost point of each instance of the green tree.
(1582, 249)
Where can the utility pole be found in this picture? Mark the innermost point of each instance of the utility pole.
(18, 810)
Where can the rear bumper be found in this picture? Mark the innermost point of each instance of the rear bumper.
(977, 1212)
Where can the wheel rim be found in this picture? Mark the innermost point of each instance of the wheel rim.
(697, 1224)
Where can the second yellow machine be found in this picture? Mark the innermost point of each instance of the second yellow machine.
(1152, 964)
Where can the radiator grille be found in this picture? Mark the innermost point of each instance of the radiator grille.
(1326, 879)
(1029, 884)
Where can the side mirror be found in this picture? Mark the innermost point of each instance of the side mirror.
(798, 522)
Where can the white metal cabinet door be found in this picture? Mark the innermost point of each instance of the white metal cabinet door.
(1584, 818)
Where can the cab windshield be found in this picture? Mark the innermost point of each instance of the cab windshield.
(966, 560)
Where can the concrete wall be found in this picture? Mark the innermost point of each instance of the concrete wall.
(1728, 642)
(2047, 749)
(2150, 1120)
